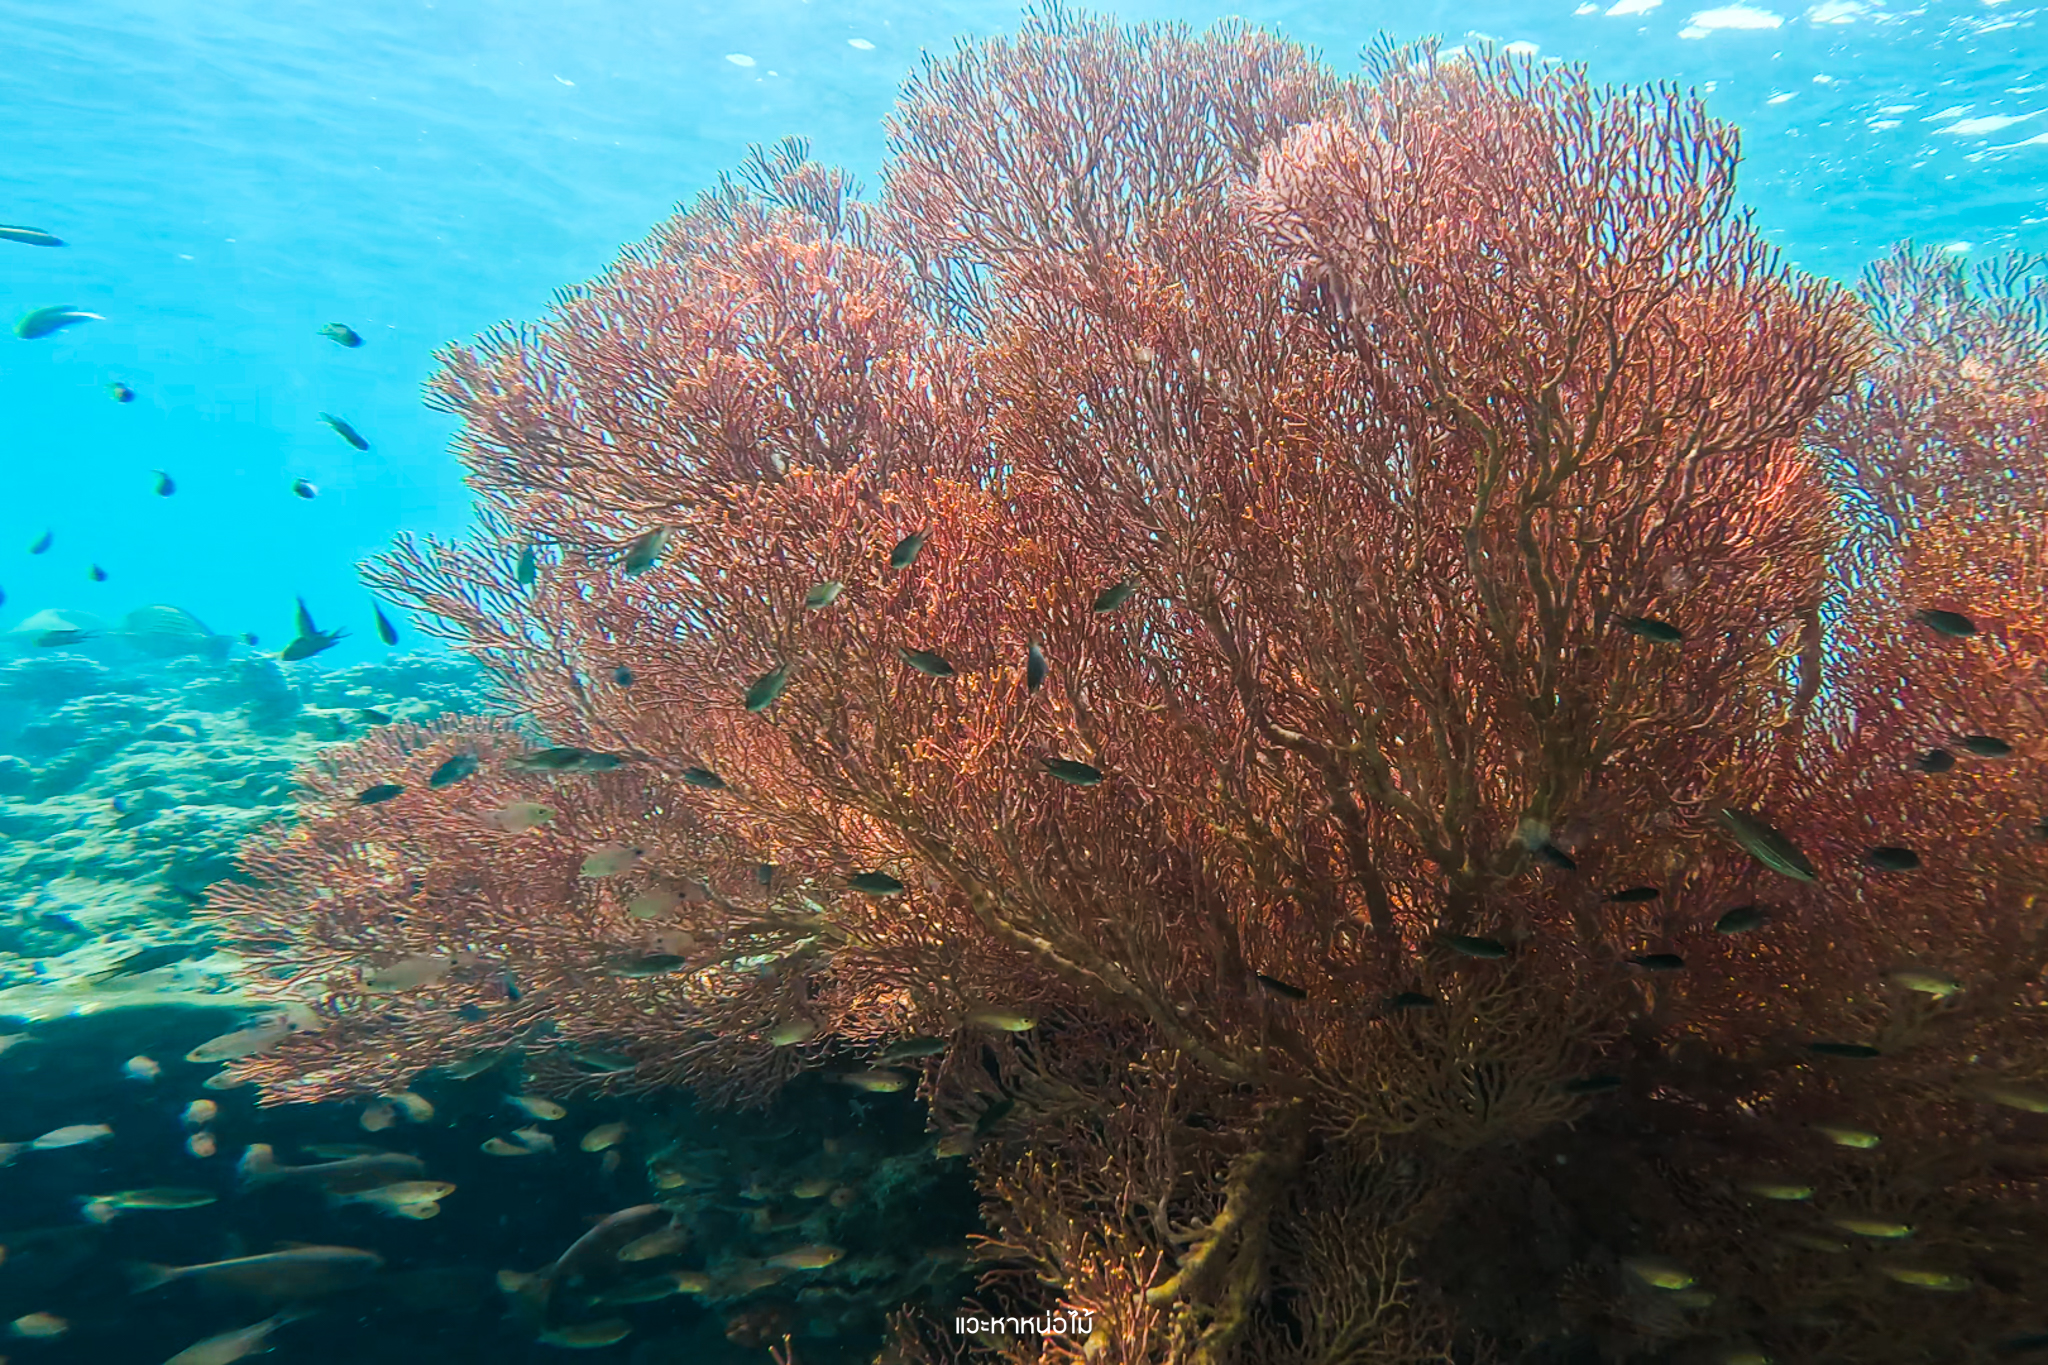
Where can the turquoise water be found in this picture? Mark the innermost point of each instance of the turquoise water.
(231, 176)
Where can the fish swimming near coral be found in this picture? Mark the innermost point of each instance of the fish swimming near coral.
(166, 632)
(1765, 844)
(924, 661)
(259, 1169)
(907, 550)
(310, 640)
(386, 632)
(1034, 667)
(299, 1272)
(767, 688)
(341, 428)
(643, 552)
(597, 1249)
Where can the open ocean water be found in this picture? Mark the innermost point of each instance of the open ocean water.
(230, 177)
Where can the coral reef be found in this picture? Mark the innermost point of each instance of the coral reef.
(1423, 751)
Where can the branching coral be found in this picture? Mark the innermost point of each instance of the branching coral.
(1233, 614)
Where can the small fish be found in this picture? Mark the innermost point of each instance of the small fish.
(346, 432)
(1780, 1191)
(309, 641)
(623, 676)
(824, 595)
(29, 236)
(879, 1081)
(993, 1116)
(1808, 1241)
(1556, 857)
(298, 1272)
(874, 883)
(1952, 624)
(644, 551)
(408, 973)
(97, 574)
(199, 1113)
(42, 546)
(1859, 1051)
(1984, 746)
(1592, 1085)
(1072, 772)
(160, 1197)
(767, 688)
(653, 964)
(1659, 1273)
(1659, 962)
(1634, 895)
(1006, 1021)
(386, 632)
(1940, 985)
(1410, 1000)
(40, 322)
(527, 569)
(120, 392)
(908, 1048)
(661, 1242)
(1892, 858)
(924, 661)
(651, 1290)
(453, 771)
(165, 485)
(608, 860)
(534, 1139)
(1741, 920)
(1114, 596)
(907, 550)
(1767, 845)
(705, 778)
(1874, 1227)
(383, 791)
(341, 334)
(38, 1327)
(1946, 1281)
(807, 1258)
(537, 1106)
(72, 1135)
(588, 1336)
(559, 759)
(791, 1033)
(1034, 668)
(603, 1137)
(2017, 1097)
(1651, 629)
(141, 1068)
(653, 904)
(202, 1144)
(1466, 945)
(599, 1061)
(305, 488)
(1936, 761)
(516, 817)
(228, 1347)
(259, 1169)
(1859, 1138)
(1281, 988)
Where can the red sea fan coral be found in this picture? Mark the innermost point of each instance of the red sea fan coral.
(1288, 623)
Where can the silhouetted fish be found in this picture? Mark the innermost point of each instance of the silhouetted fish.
(345, 431)
(341, 334)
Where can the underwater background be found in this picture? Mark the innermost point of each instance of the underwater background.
(227, 180)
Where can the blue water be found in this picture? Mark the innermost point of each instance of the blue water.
(232, 175)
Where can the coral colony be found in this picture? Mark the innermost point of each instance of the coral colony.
(1335, 674)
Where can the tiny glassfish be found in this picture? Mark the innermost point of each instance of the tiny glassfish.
(603, 1137)
(815, 1257)
(1940, 985)
(341, 428)
(879, 1081)
(608, 860)
(588, 1336)
(231, 1346)
(536, 1106)
(1008, 1021)
(1842, 1136)
(1921, 1278)
(1658, 1272)
(792, 1032)
(38, 1327)
(516, 817)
